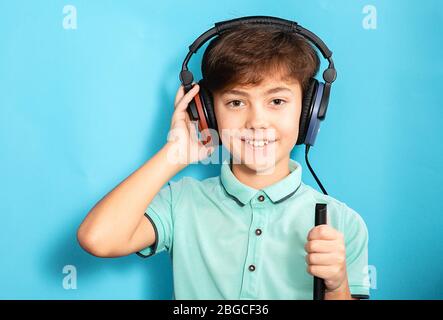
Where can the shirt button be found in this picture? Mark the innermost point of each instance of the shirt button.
(261, 198)
(251, 267)
(258, 232)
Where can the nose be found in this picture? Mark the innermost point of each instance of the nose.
(257, 118)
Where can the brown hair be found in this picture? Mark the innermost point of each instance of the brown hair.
(246, 54)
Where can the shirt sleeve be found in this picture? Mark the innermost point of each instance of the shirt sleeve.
(356, 242)
(160, 213)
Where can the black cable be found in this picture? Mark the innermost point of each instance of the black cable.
(312, 171)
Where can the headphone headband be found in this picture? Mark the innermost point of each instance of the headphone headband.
(278, 22)
(329, 75)
(220, 27)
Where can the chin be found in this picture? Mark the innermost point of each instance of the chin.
(261, 168)
(262, 161)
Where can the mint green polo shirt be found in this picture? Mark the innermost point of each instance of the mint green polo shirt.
(230, 241)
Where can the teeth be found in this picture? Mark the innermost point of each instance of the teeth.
(257, 143)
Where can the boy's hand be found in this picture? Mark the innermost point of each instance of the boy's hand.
(186, 148)
(326, 257)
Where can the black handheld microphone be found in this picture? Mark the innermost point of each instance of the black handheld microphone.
(320, 218)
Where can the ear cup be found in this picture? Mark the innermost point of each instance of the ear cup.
(306, 110)
(208, 106)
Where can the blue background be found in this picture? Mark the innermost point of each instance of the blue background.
(81, 109)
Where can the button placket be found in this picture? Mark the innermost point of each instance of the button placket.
(250, 276)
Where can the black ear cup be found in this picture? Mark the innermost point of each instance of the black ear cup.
(308, 100)
(208, 106)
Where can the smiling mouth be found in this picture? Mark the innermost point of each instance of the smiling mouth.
(257, 144)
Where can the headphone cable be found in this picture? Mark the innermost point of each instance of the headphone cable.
(312, 171)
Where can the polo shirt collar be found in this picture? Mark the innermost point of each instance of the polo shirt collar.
(277, 192)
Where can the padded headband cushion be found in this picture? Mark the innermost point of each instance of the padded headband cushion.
(308, 97)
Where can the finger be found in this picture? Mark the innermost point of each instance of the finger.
(179, 116)
(180, 93)
(324, 272)
(323, 232)
(323, 246)
(323, 259)
(184, 101)
(193, 130)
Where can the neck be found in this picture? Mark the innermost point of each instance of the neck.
(261, 180)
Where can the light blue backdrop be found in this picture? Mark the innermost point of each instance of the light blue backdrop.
(81, 109)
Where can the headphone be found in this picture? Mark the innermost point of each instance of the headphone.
(315, 97)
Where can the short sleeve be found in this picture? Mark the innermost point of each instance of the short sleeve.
(356, 242)
(160, 213)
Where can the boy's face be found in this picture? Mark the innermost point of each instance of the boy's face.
(259, 124)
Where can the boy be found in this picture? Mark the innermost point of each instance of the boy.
(248, 233)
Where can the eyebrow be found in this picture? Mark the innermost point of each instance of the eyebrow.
(244, 93)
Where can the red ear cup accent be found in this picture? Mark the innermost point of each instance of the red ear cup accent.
(202, 123)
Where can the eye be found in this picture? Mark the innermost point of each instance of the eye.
(279, 102)
(234, 104)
